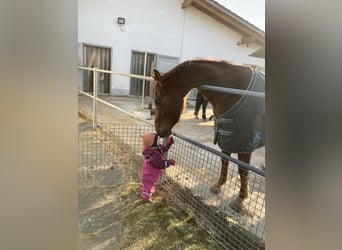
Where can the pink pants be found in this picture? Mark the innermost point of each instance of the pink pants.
(149, 177)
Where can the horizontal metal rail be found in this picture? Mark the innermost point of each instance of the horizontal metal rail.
(233, 91)
(115, 107)
(118, 73)
(207, 87)
(224, 156)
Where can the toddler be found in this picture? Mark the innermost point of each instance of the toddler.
(154, 162)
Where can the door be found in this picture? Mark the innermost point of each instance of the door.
(98, 57)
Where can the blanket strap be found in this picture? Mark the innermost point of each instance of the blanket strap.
(220, 127)
(222, 123)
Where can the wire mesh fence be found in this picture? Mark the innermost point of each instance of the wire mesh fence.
(189, 181)
(111, 154)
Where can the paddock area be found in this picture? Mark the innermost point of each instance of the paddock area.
(111, 154)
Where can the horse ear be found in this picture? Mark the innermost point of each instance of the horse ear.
(156, 75)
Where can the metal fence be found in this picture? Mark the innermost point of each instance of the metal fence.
(189, 181)
(111, 154)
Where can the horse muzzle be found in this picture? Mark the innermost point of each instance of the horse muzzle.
(164, 133)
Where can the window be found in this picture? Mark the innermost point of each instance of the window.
(142, 63)
(165, 63)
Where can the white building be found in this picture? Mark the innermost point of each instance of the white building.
(125, 36)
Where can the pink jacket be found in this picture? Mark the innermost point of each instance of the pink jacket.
(154, 162)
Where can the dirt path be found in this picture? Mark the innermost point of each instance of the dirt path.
(100, 222)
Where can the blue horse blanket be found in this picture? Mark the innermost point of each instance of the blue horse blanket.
(241, 129)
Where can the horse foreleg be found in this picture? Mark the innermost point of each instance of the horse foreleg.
(237, 204)
(216, 188)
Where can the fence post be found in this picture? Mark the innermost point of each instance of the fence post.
(95, 98)
(143, 88)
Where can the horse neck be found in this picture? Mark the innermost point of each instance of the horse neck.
(229, 76)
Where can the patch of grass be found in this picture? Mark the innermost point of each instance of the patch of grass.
(88, 236)
(160, 225)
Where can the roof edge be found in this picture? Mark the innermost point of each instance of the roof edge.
(228, 18)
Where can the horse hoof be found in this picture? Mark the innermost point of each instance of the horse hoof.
(214, 189)
(236, 205)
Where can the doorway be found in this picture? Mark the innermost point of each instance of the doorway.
(98, 57)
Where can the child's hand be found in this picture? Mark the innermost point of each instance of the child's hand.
(171, 162)
(170, 140)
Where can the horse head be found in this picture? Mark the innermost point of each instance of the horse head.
(168, 103)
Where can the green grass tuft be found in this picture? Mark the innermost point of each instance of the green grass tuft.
(160, 225)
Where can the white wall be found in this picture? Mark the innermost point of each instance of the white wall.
(206, 37)
(152, 25)
(156, 26)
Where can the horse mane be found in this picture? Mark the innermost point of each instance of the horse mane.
(168, 76)
(175, 70)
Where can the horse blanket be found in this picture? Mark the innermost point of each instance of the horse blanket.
(241, 129)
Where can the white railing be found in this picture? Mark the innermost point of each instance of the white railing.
(95, 92)
(148, 78)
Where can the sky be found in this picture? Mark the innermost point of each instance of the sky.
(251, 10)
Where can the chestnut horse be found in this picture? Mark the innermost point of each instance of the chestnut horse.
(174, 85)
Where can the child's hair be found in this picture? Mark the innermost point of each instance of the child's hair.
(149, 139)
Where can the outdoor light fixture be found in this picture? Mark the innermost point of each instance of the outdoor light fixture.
(121, 20)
